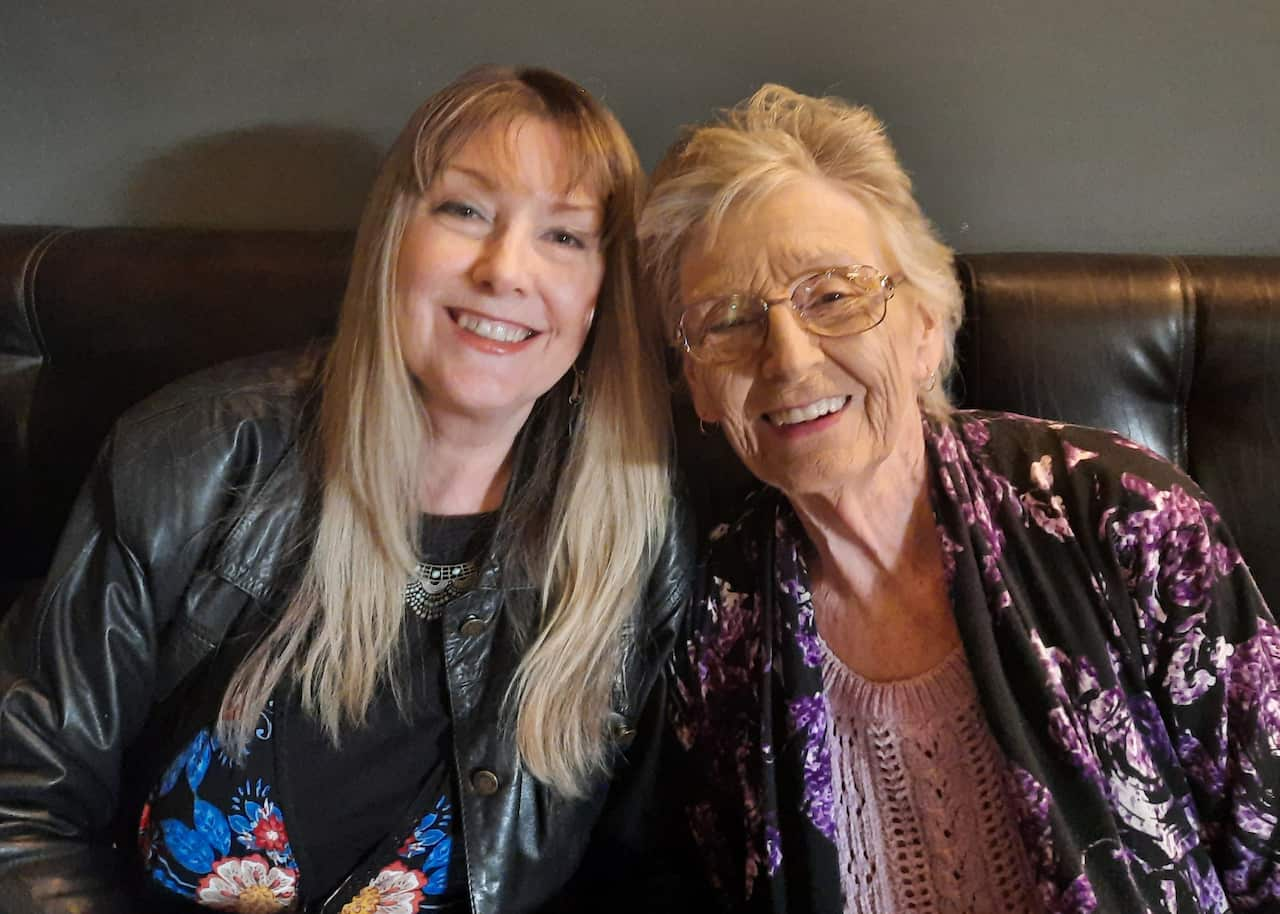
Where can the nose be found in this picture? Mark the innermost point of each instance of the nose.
(789, 349)
(501, 266)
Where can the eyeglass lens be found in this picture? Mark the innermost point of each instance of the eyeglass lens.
(836, 302)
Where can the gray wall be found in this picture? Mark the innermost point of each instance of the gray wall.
(1148, 125)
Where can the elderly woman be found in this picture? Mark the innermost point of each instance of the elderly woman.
(371, 634)
(945, 661)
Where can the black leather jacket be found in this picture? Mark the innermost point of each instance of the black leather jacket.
(181, 547)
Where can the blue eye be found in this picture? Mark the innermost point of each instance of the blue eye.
(459, 209)
(568, 239)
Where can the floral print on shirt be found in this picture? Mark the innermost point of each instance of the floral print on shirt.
(236, 860)
(1128, 667)
(233, 853)
(395, 890)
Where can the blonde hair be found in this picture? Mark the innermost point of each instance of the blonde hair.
(768, 140)
(590, 509)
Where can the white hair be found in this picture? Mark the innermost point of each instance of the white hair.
(768, 140)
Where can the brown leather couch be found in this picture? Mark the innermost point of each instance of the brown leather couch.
(1179, 353)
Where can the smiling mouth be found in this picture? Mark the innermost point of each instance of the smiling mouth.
(490, 329)
(815, 410)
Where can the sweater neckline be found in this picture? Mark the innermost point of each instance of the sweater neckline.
(946, 685)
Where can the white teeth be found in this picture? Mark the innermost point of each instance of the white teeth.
(807, 413)
(493, 330)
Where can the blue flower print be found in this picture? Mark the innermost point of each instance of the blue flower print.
(259, 824)
(194, 760)
(162, 875)
(431, 838)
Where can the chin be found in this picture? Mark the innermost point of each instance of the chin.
(826, 473)
(468, 403)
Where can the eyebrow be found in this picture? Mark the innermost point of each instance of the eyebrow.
(590, 208)
(559, 204)
(796, 265)
(473, 173)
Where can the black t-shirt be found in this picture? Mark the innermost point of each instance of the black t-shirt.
(347, 800)
(296, 819)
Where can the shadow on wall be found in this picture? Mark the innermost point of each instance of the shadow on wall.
(270, 177)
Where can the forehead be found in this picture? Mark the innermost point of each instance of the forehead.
(530, 155)
(804, 226)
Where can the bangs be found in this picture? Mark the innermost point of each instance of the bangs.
(736, 171)
(597, 156)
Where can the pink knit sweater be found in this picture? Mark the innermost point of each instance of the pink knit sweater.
(922, 815)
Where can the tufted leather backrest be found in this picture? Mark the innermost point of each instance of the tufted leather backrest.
(91, 321)
(1233, 409)
(1179, 353)
(1092, 339)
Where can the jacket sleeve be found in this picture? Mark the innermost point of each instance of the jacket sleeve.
(1211, 651)
(76, 677)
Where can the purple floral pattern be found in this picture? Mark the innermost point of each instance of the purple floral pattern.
(719, 703)
(1129, 668)
(809, 716)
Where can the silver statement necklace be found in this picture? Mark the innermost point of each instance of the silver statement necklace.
(432, 587)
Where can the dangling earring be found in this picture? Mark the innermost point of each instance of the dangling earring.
(702, 429)
(933, 381)
(575, 395)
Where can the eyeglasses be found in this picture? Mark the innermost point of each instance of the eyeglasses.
(840, 301)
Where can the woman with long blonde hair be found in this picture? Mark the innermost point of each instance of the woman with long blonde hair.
(372, 630)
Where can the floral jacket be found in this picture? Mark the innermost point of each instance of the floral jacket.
(1128, 667)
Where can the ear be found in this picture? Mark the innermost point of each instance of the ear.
(929, 342)
(703, 403)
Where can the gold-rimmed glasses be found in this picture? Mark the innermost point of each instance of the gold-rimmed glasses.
(839, 301)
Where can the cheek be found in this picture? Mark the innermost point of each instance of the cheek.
(726, 404)
(415, 325)
(880, 365)
(740, 432)
(714, 392)
(427, 257)
(417, 286)
(574, 293)
(744, 443)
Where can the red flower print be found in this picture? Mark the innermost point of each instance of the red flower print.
(269, 833)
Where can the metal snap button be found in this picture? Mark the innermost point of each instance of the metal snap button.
(623, 733)
(484, 782)
(472, 626)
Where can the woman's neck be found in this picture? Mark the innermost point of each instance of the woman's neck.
(878, 585)
(466, 464)
(873, 542)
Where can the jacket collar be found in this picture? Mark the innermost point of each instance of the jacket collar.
(267, 547)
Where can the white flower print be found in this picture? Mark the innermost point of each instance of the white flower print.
(1193, 668)
(395, 890)
(1042, 473)
(248, 885)
(1049, 515)
(1075, 455)
(1042, 506)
